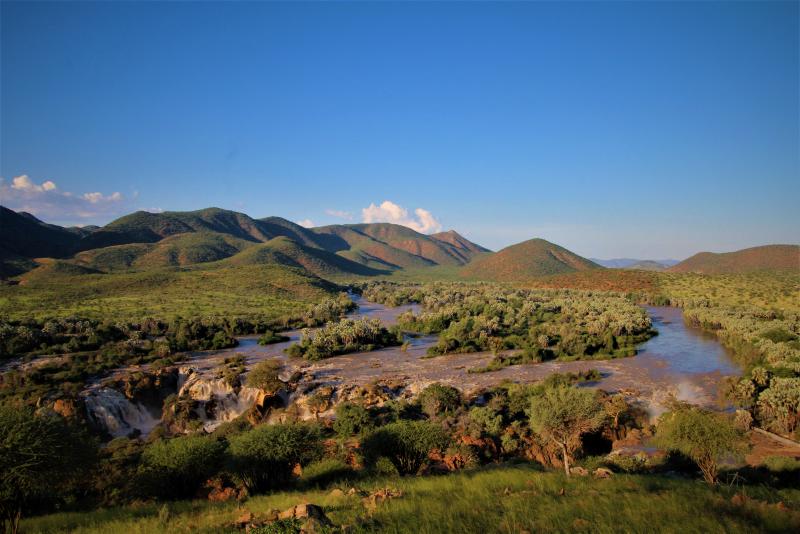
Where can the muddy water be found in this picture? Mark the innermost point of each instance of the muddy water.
(681, 361)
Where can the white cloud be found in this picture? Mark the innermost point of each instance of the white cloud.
(23, 183)
(96, 197)
(307, 223)
(49, 203)
(152, 210)
(340, 214)
(390, 212)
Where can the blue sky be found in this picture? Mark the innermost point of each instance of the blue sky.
(649, 129)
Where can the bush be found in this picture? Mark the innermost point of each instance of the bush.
(263, 458)
(351, 419)
(703, 436)
(40, 456)
(177, 467)
(407, 444)
(437, 399)
(264, 376)
(269, 337)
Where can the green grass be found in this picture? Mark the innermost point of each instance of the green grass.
(502, 499)
(269, 291)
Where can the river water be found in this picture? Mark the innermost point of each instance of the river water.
(682, 362)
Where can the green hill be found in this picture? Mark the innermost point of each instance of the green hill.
(286, 252)
(174, 251)
(145, 227)
(764, 258)
(22, 234)
(648, 265)
(529, 259)
(385, 245)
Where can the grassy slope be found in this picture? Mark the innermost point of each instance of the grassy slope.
(209, 289)
(501, 499)
(529, 259)
(284, 251)
(178, 250)
(768, 257)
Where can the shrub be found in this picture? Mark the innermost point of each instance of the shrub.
(177, 467)
(269, 337)
(263, 458)
(407, 444)
(351, 419)
(437, 399)
(264, 376)
(39, 456)
(563, 414)
(703, 436)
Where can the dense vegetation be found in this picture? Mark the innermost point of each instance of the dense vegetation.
(345, 336)
(519, 325)
(91, 347)
(523, 425)
(756, 315)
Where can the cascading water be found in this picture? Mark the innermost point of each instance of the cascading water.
(218, 401)
(112, 411)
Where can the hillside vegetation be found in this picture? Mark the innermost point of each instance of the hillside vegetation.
(529, 259)
(764, 258)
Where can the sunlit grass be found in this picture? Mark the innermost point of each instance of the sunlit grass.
(501, 499)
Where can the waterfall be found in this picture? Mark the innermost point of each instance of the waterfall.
(226, 404)
(111, 410)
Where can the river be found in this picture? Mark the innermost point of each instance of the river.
(681, 362)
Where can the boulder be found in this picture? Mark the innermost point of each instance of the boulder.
(578, 470)
(372, 501)
(308, 512)
(602, 472)
(244, 519)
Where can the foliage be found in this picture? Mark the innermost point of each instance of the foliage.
(562, 414)
(39, 456)
(703, 436)
(438, 399)
(263, 458)
(177, 467)
(519, 325)
(345, 336)
(352, 419)
(269, 337)
(406, 444)
(265, 376)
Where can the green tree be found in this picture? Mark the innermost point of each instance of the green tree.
(406, 444)
(177, 467)
(264, 457)
(437, 399)
(264, 376)
(351, 419)
(40, 455)
(703, 436)
(563, 414)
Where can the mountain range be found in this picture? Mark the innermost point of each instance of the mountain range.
(631, 263)
(143, 241)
